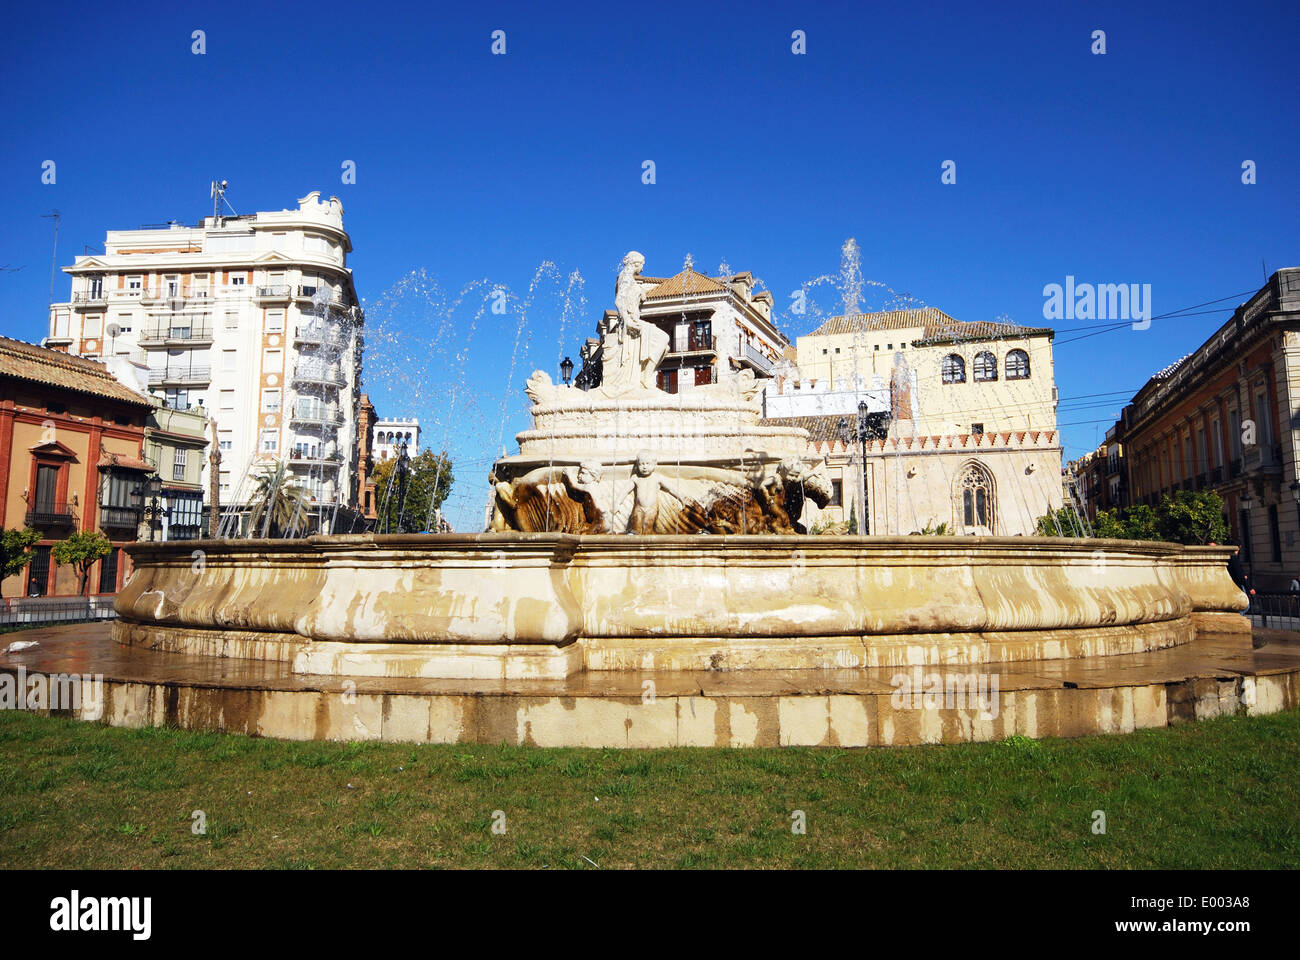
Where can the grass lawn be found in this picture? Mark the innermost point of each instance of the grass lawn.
(1219, 794)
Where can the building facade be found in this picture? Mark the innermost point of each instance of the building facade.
(961, 421)
(390, 433)
(254, 319)
(716, 328)
(1226, 417)
(71, 444)
(176, 447)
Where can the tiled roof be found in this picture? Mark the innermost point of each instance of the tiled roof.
(26, 361)
(936, 324)
(107, 460)
(686, 283)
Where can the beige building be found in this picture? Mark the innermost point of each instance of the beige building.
(961, 421)
(254, 319)
(176, 446)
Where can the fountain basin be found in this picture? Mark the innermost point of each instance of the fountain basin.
(552, 605)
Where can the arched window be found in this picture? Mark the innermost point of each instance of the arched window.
(954, 369)
(1017, 365)
(986, 367)
(973, 500)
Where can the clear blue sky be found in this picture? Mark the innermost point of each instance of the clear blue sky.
(1117, 168)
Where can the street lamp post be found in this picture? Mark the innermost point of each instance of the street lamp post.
(148, 492)
(566, 370)
(864, 525)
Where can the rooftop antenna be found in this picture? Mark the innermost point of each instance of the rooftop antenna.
(218, 198)
(54, 257)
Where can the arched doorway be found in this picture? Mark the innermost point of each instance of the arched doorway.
(974, 507)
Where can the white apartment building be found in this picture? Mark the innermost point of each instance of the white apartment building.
(716, 327)
(254, 318)
(390, 433)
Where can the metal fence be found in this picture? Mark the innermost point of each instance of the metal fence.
(29, 610)
(1278, 610)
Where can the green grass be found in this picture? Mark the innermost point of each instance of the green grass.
(1218, 794)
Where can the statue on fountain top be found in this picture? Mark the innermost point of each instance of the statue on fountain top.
(632, 348)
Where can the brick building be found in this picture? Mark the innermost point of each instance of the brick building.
(71, 443)
(1227, 417)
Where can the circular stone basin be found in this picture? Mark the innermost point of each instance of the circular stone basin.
(551, 605)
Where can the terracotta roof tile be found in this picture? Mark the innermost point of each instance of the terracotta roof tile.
(936, 324)
(686, 283)
(26, 361)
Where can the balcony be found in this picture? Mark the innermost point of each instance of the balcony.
(175, 335)
(1234, 468)
(328, 374)
(89, 299)
(695, 343)
(179, 378)
(50, 514)
(119, 518)
(1261, 459)
(317, 413)
(318, 334)
(1216, 475)
(755, 359)
(307, 292)
(273, 292)
(299, 459)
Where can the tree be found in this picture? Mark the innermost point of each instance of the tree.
(1190, 517)
(427, 487)
(277, 503)
(1061, 522)
(1193, 517)
(81, 550)
(15, 550)
(853, 519)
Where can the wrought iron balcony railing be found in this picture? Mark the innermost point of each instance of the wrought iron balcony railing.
(50, 514)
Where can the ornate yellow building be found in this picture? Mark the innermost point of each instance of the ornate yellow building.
(959, 418)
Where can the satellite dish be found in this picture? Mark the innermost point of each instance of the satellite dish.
(112, 329)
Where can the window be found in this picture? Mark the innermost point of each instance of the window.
(228, 358)
(176, 398)
(232, 320)
(954, 369)
(837, 494)
(1234, 433)
(178, 463)
(667, 381)
(977, 429)
(270, 441)
(185, 511)
(238, 281)
(824, 351)
(227, 400)
(986, 367)
(173, 283)
(134, 284)
(1017, 365)
(275, 320)
(108, 572)
(271, 360)
(96, 288)
(271, 401)
(975, 499)
(1275, 532)
(703, 375)
(1263, 422)
(877, 347)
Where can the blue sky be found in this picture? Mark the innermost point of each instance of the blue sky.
(1117, 168)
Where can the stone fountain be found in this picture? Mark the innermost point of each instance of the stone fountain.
(597, 582)
(626, 457)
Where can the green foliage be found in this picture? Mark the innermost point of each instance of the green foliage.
(1060, 523)
(80, 551)
(932, 529)
(1191, 517)
(430, 479)
(853, 519)
(277, 503)
(15, 550)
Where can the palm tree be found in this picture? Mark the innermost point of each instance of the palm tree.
(277, 502)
